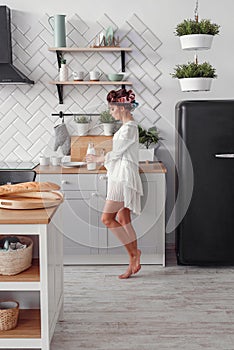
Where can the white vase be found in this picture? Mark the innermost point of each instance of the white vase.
(146, 154)
(195, 84)
(196, 41)
(63, 72)
(108, 129)
(82, 129)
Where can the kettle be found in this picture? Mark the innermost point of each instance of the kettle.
(57, 23)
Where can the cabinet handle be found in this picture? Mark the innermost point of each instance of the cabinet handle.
(64, 182)
(102, 177)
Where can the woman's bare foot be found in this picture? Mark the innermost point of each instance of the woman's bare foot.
(134, 266)
(126, 274)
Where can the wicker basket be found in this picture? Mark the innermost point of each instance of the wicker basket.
(16, 261)
(9, 312)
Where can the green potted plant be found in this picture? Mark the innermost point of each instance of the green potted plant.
(83, 123)
(149, 142)
(196, 35)
(108, 122)
(195, 77)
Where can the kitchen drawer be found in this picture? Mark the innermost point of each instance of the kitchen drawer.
(72, 182)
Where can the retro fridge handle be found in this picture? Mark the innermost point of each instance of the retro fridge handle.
(225, 155)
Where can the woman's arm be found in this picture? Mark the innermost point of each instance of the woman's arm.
(127, 138)
(91, 158)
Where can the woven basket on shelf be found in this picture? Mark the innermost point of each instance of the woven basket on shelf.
(9, 312)
(13, 262)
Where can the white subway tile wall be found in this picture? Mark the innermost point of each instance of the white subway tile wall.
(26, 129)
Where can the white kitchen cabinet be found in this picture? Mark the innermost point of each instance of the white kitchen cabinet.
(39, 289)
(87, 240)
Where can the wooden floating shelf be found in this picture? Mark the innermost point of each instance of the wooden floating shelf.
(91, 49)
(89, 82)
(28, 325)
(30, 275)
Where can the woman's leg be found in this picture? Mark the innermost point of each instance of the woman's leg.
(124, 218)
(110, 211)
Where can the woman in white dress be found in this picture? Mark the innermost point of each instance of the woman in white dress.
(124, 182)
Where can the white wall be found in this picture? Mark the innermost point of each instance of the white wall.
(161, 17)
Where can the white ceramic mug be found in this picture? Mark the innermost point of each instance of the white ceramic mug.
(44, 160)
(78, 75)
(94, 75)
(55, 161)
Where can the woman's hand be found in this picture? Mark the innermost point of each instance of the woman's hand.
(91, 158)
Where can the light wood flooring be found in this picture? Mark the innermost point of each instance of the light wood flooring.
(175, 307)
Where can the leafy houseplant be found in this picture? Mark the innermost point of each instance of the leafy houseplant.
(108, 122)
(194, 70)
(148, 138)
(106, 117)
(82, 124)
(189, 26)
(195, 77)
(196, 35)
(81, 119)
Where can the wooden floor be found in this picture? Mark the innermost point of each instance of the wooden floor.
(182, 308)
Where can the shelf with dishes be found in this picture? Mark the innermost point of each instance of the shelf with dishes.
(60, 52)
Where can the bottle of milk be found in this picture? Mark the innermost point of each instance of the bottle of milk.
(91, 150)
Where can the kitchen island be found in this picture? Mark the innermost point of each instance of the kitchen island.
(39, 289)
(86, 239)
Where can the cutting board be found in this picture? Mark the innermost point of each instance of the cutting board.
(26, 202)
(79, 145)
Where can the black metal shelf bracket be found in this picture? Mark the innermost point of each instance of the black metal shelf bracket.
(123, 64)
(60, 93)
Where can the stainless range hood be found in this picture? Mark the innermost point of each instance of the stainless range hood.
(9, 74)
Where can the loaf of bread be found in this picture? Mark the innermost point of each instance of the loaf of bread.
(28, 187)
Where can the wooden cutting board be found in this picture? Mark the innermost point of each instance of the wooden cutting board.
(20, 202)
(79, 145)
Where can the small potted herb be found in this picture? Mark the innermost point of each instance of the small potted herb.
(83, 123)
(149, 141)
(196, 35)
(195, 77)
(108, 122)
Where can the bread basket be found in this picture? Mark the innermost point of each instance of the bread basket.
(13, 262)
(9, 312)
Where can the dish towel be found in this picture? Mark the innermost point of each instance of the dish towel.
(62, 138)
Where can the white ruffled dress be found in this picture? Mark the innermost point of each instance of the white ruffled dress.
(124, 182)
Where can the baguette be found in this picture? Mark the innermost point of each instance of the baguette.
(28, 187)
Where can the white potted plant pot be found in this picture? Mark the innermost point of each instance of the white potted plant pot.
(146, 154)
(196, 41)
(82, 129)
(195, 84)
(108, 129)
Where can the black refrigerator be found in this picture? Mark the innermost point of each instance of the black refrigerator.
(205, 182)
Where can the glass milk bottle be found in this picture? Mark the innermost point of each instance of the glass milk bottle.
(63, 71)
(91, 150)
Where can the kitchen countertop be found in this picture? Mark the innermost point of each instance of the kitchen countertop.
(156, 167)
(32, 216)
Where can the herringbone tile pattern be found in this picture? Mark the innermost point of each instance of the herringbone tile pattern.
(26, 127)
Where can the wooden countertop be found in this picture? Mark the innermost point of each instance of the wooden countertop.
(156, 167)
(30, 216)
